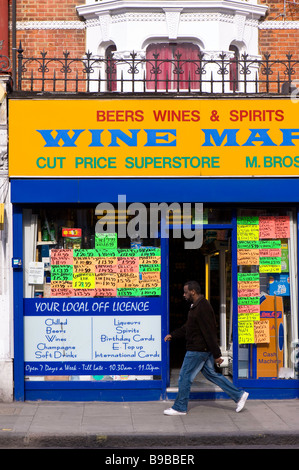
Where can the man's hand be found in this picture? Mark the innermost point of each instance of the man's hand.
(167, 338)
(219, 361)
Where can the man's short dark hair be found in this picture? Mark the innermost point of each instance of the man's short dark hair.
(193, 285)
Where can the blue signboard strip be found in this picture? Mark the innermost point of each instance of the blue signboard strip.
(93, 306)
(212, 190)
(93, 368)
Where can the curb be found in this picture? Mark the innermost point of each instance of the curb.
(94, 441)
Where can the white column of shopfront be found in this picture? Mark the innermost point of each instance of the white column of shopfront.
(293, 327)
(6, 310)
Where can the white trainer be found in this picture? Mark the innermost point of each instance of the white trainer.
(172, 412)
(241, 402)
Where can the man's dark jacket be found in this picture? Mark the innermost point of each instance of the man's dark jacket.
(200, 329)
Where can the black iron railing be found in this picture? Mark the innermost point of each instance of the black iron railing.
(135, 73)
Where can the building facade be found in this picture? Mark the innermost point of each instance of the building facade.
(169, 124)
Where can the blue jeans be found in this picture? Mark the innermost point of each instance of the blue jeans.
(195, 362)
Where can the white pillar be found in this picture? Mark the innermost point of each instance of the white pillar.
(6, 291)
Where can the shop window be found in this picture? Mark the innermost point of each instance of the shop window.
(106, 288)
(79, 262)
(217, 215)
(173, 66)
(267, 293)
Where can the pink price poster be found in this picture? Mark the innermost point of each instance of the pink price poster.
(274, 227)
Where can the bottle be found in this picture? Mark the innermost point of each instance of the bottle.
(45, 232)
(52, 231)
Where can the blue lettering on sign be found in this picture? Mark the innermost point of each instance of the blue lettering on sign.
(61, 135)
(230, 134)
(288, 136)
(155, 137)
(117, 134)
(259, 135)
(166, 137)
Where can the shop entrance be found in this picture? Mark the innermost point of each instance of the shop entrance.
(211, 267)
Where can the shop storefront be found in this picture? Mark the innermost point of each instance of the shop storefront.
(117, 203)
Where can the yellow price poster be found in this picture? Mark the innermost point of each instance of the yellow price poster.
(248, 232)
(83, 281)
(246, 332)
(243, 317)
(152, 138)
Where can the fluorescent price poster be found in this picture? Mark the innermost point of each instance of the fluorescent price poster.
(106, 270)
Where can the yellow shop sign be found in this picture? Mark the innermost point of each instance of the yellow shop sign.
(153, 138)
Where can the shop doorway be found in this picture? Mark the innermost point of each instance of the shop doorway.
(211, 267)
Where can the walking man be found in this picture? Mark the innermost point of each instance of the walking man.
(202, 351)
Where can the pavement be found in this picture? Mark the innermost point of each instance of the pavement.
(129, 425)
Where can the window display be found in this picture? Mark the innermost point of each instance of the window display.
(78, 262)
(267, 294)
(69, 334)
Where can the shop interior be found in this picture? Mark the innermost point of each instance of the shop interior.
(211, 267)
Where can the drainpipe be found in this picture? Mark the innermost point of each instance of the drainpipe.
(4, 27)
(14, 43)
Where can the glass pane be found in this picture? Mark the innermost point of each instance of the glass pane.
(217, 215)
(172, 66)
(67, 254)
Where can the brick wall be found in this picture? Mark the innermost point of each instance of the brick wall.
(54, 41)
(278, 8)
(281, 40)
(47, 10)
(278, 41)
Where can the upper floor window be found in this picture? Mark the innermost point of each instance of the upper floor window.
(173, 66)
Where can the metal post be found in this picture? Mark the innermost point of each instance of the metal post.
(14, 43)
(222, 310)
(20, 66)
(207, 277)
